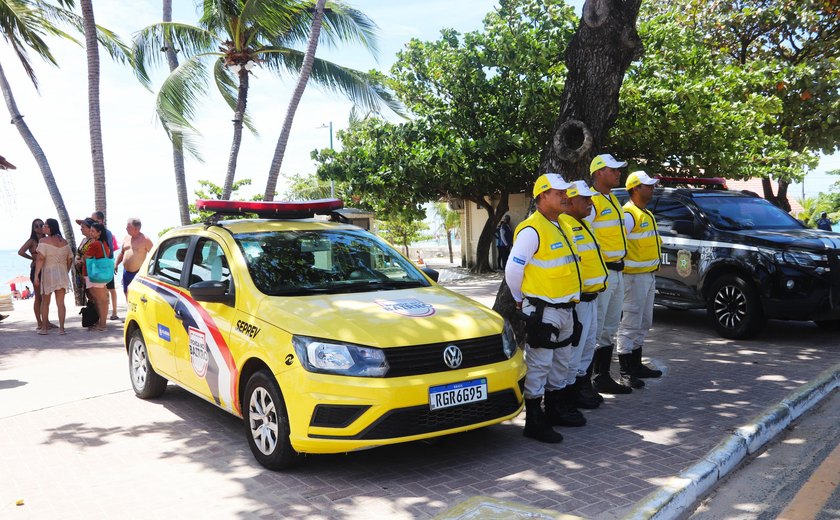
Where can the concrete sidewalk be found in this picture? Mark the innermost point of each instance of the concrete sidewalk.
(78, 444)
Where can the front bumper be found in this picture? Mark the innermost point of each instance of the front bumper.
(337, 414)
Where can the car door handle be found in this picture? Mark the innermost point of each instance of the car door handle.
(143, 299)
(179, 315)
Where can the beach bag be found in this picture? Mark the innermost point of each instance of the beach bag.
(90, 316)
(100, 270)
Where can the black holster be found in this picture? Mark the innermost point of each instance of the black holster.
(538, 334)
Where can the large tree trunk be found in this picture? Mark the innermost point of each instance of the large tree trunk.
(238, 118)
(305, 71)
(599, 53)
(97, 153)
(779, 199)
(46, 171)
(485, 239)
(177, 141)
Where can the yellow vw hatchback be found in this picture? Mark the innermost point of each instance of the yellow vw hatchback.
(320, 335)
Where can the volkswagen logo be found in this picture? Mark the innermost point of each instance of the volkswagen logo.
(452, 356)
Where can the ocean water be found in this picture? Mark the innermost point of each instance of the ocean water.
(12, 265)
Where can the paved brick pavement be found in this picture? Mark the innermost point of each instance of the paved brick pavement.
(76, 443)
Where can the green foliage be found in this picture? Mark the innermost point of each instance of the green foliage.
(402, 231)
(451, 219)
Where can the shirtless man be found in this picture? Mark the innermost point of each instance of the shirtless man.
(134, 249)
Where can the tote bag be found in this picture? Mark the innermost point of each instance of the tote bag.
(100, 270)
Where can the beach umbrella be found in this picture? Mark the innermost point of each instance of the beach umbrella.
(20, 280)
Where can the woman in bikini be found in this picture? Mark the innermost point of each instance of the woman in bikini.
(52, 265)
(27, 250)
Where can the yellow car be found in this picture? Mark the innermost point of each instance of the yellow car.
(320, 335)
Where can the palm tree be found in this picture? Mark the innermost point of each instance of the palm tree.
(233, 37)
(97, 151)
(177, 137)
(24, 25)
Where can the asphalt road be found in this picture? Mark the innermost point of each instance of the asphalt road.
(796, 478)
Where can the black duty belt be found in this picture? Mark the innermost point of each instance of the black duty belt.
(588, 296)
(615, 266)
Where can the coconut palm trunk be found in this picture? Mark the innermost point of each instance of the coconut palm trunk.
(238, 118)
(46, 171)
(177, 140)
(305, 71)
(97, 152)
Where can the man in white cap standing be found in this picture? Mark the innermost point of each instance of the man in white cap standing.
(644, 247)
(608, 223)
(544, 279)
(594, 280)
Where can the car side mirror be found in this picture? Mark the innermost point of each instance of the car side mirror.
(431, 273)
(683, 227)
(211, 291)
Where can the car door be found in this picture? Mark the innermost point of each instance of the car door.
(158, 300)
(677, 278)
(204, 361)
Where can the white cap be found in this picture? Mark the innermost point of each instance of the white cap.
(639, 177)
(550, 181)
(603, 161)
(579, 188)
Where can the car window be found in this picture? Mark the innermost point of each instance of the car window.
(742, 213)
(168, 262)
(305, 262)
(667, 210)
(209, 263)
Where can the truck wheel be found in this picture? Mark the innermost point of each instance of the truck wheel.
(735, 308)
(266, 423)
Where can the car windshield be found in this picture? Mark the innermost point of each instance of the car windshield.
(293, 263)
(743, 213)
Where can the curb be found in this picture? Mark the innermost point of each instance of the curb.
(681, 492)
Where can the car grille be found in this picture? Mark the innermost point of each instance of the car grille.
(417, 420)
(428, 359)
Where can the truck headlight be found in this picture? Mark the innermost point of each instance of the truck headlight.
(318, 355)
(508, 340)
(798, 258)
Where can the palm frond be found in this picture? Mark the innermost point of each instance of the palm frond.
(187, 39)
(265, 20)
(341, 24)
(228, 87)
(23, 28)
(365, 90)
(179, 94)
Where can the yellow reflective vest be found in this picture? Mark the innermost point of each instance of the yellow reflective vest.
(553, 274)
(609, 226)
(592, 267)
(643, 242)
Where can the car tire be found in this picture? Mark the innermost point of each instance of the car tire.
(735, 308)
(267, 423)
(147, 384)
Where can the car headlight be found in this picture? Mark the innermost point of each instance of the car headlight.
(318, 355)
(508, 340)
(798, 258)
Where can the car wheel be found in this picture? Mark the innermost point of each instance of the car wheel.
(146, 382)
(735, 308)
(267, 423)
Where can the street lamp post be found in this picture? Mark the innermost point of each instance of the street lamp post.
(332, 182)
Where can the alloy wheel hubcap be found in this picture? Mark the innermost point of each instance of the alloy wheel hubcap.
(138, 364)
(262, 419)
(730, 306)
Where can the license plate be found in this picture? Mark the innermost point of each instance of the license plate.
(456, 394)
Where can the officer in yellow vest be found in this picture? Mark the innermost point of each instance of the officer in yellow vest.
(594, 275)
(544, 279)
(643, 256)
(607, 221)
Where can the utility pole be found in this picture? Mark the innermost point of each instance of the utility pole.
(332, 182)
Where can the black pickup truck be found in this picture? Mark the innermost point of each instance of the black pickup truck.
(744, 260)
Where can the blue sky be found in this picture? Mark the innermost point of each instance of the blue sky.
(137, 153)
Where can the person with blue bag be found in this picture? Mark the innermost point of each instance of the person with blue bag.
(99, 270)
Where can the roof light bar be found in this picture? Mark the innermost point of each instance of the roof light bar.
(693, 181)
(280, 209)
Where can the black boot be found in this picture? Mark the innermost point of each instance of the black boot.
(590, 390)
(643, 371)
(560, 409)
(584, 394)
(628, 371)
(602, 381)
(536, 426)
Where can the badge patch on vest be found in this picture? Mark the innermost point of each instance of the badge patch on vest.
(606, 211)
(644, 224)
(520, 261)
(556, 245)
(578, 238)
(684, 263)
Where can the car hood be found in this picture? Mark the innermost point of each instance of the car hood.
(383, 318)
(806, 239)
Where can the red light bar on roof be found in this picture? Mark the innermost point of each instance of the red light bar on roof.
(281, 209)
(693, 181)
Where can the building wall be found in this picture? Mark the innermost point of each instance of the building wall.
(473, 219)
